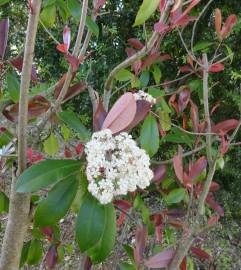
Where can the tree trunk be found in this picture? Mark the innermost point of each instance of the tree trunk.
(18, 219)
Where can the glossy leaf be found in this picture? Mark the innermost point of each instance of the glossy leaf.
(225, 126)
(92, 26)
(146, 10)
(4, 26)
(161, 259)
(35, 252)
(135, 43)
(183, 100)
(13, 87)
(149, 137)
(175, 196)
(24, 253)
(48, 15)
(214, 68)
(142, 109)
(74, 122)
(121, 114)
(159, 173)
(107, 240)
(51, 145)
(99, 116)
(140, 243)
(228, 25)
(198, 167)
(178, 167)
(55, 206)
(124, 75)
(90, 223)
(194, 115)
(45, 173)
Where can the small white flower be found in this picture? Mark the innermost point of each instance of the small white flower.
(141, 95)
(115, 166)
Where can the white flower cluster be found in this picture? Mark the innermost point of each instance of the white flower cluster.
(115, 165)
(141, 95)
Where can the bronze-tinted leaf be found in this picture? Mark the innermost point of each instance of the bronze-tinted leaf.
(135, 43)
(200, 253)
(142, 109)
(198, 167)
(4, 26)
(99, 116)
(75, 89)
(36, 106)
(140, 243)
(225, 126)
(228, 26)
(51, 257)
(161, 259)
(159, 173)
(18, 64)
(178, 167)
(194, 115)
(122, 114)
(218, 21)
(183, 100)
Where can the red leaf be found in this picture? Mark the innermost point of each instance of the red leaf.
(213, 219)
(161, 28)
(214, 68)
(123, 204)
(183, 265)
(99, 116)
(34, 157)
(67, 37)
(122, 114)
(100, 4)
(51, 257)
(225, 126)
(178, 167)
(18, 64)
(62, 48)
(36, 106)
(47, 231)
(172, 103)
(190, 6)
(185, 69)
(162, 6)
(200, 253)
(159, 173)
(74, 61)
(198, 167)
(228, 26)
(185, 121)
(140, 243)
(161, 259)
(135, 43)
(214, 187)
(67, 152)
(165, 57)
(74, 90)
(218, 21)
(79, 149)
(158, 222)
(87, 263)
(224, 145)
(136, 66)
(142, 109)
(151, 59)
(177, 213)
(4, 26)
(183, 100)
(214, 205)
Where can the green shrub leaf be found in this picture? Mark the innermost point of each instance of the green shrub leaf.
(146, 10)
(45, 173)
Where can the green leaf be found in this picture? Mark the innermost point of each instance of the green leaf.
(3, 2)
(107, 240)
(48, 15)
(92, 26)
(149, 137)
(46, 172)
(165, 120)
(35, 252)
(4, 203)
(202, 46)
(130, 252)
(74, 122)
(145, 78)
(65, 132)
(126, 266)
(74, 7)
(13, 87)
(51, 145)
(175, 196)
(58, 202)
(157, 74)
(24, 253)
(5, 137)
(63, 10)
(179, 136)
(124, 75)
(146, 10)
(90, 223)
